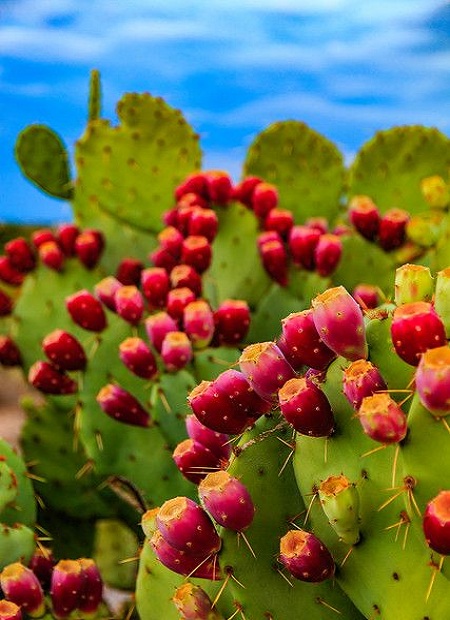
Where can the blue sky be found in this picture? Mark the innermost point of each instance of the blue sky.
(346, 67)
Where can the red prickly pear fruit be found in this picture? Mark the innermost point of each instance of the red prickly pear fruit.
(198, 322)
(319, 223)
(415, 328)
(265, 368)
(91, 592)
(392, 230)
(64, 350)
(89, 246)
(138, 357)
(177, 300)
(306, 557)
(240, 394)
(21, 586)
(194, 460)
(51, 255)
(160, 257)
(122, 406)
(176, 351)
(327, 254)
(9, 352)
(219, 187)
(170, 217)
(129, 271)
(184, 563)
(129, 304)
(171, 239)
(218, 443)
(48, 379)
(359, 380)
(243, 191)
(264, 199)
(157, 326)
(193, 603)
(275, 261)
(183, 218)
(382, 418)
(191, 199)
(86, 311)
(436, 523)
(6, 303)
(66, 584)
(42, 563)
(266, 236)
(365, 216)
(21, 254)
(367, 295)
(432, 380)
(232, 322)
(280, 220)
(155, 285)
(42, 236)
(195, 183)
(203, 222)
(185, 525)
(9, 610)
(66, 235)
(105, 291)
(196, 251)
(301, 343)
(306, 408)
(340, 323)
(10, 274)
(302, 242)
(227, 500)
(186, 276)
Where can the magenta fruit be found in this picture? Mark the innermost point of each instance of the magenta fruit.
(129, 304)
(203, 222)
(365, 216)
(105, 291)
(21, 586)
(359, 380)
(195, 460)
(198, 323)
(171, 240)
(67, 580)
(9, 610)
(6, 303)
(392, 229)
(21, 254)
(196, 251)
(183, 276)
(90, 595)
(9, 352)
(10, 274)
(302, 242)
(64, 350)
(382, 419)
(275, 260)
(138, 357)
(66, 235)
(86, 311)
(243, 191)
(306, 557)
(155, 285)
(266, 369)
(193, 603)
(219, 188)
(129, 271)
(327, 254)
(264, 199)
(280, 220)
(176, 351)
(51, 255)
(306, 408)
(160, 257)
(48, 379)
(157, 326)
(218, 443)
(122, 406)
(436, 523)
(227, 500)
(89, 246)
(232, 322)
(432, 380)
(367, 295)
(42, 235)
(177, 300)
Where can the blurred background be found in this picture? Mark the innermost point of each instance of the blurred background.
(346, 67)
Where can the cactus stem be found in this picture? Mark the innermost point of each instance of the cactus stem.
(436, 569)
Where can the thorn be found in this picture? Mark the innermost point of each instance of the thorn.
(325, 451)
(198, 566)
(285, 578)
(308, 511)
(436, 569)
(35, 477)
(394, 464)
(327, 605)
(129, 560)
(99, 440)
(130, 611)
(286, 461)
(445, 423)
(346, 556)
(237, 581)
(85, 469)
(43, 530)
(245, 539)
(221, 589)
(164, 401)
(377, 449)
(40, 501)
(221, 362)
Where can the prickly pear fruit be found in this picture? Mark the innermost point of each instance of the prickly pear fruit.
(365, 217)
(265, 368)
(122, 406)
(432, 380)
(360, 379)
(227, 500)
(232, 322)
(382, 419)
(138, 357)
(436, 523)
(195, 460)
(306, 408)
(86, 311)
(21, 586)
(64, 350)
(306, 557)
(176, 351)
(339, 499)
(48, 379)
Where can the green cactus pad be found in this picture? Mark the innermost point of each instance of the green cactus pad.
(95, 96)
(43, 159)
(305, 166)
(390, 166)
(23, 508)
(114, 544)
(17, 544)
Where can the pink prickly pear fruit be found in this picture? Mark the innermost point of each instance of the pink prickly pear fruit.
(129, 304)
(170, 217)
(184, 215)
(66, 584)
(10, 274)
(240, 395)
(41, 236)
(367, 295)
(340, 323)
(243, 191)
(177, 300)
(232, 322)
(306, 557)
(191, 199)
(382, 418)
(186, 276)
(327, 254)
(21, 586)
(42, 563)
(176, 351)
(157, 326)
(9, 352)
(160, 257)
(415, 328)
(21, 254)
(195, 183)
(302, 242)
(365, 216)
(155, 286)
(171, 239)
(266, 236)
(218, 443)
(227, 500)
(219, 187)
(64, 350)
(86, 311)
(196, 251)
(89, 246)
(265, 368)
(6, 303)
(51, 255)
(264, 199)
(9, 610)
(392, 229)
(195, 461)
(185, 525)
(129, 271)
(361, 379)
(138, 357)
(275, 260)
(105, 291)
(91, 592)
(306, 408)
(432, 380)
(436, 523)
(193, 603)
(184, 563)
(301, 343)
(66, 235)
(280, 220)
(203, 222)
(48, 379)
(198, 322)
(320, 223)
(122, 406)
